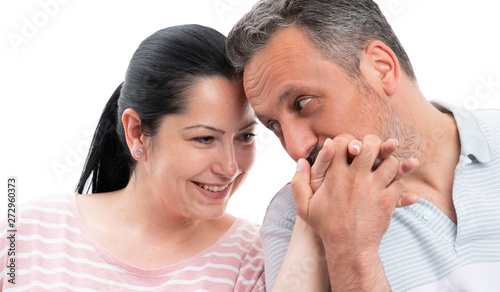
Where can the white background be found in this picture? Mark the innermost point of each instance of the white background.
(61, 60)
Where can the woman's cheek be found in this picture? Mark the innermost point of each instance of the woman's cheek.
(245, 158)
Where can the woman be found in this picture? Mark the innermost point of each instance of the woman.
(173, 144)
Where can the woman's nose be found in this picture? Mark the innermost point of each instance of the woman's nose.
(226, 165)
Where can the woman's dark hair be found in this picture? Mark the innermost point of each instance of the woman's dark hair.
(165, 65)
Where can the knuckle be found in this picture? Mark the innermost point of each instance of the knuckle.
(295, 180)
(341, 140)
(295, 183)
(398, 187)
(365, 158)
(372, 140)
(390, 168)
(393, 162)
(339, 144)
(349, 137)
(371, 145)
(322, 158)
(369, 154)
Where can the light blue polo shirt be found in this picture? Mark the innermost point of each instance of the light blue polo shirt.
(423, 249)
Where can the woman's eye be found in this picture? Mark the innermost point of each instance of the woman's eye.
(274, 126)
(247, 138)
(204, 140)
(302, 103)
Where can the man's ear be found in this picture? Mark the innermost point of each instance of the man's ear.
(382, 66)
(135, 138)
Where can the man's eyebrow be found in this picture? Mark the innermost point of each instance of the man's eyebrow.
(262, 117)
(206, 127)
(289, 90)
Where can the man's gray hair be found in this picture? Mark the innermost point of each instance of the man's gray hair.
(340, 30)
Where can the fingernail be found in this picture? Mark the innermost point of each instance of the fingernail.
(300, 164)
(324, 144)
(358, 149)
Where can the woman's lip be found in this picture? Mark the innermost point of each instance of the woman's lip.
(215, 185)
(214, 195)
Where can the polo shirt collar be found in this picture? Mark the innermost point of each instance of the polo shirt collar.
(473, 143)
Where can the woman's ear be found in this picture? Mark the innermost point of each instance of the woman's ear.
(385, 66)
(136, 140)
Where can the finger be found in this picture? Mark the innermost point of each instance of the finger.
(354, 148)
(318, 170)
(394, 194)
(339, 145)
(386, 171)
(407, 200)
(302, 192)
(369, 153)
(387, 148)
(406, 167)
(339, 164)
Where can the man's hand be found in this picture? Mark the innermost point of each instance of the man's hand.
(348, 198)
(318, 170)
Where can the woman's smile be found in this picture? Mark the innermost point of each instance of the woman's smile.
(215, 192)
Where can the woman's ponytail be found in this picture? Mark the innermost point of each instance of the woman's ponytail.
(107, 167)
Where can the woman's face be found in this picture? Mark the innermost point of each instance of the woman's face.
(201, 156)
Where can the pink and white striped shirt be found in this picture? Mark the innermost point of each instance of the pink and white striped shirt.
(53, 251)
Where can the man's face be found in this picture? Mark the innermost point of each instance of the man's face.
(305, 98)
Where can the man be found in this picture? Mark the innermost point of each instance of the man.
(313, 70)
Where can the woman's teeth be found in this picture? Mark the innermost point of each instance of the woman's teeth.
(212, 188)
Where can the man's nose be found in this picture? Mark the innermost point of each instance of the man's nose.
(299, 142)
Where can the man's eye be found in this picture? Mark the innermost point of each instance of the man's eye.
(302, 103)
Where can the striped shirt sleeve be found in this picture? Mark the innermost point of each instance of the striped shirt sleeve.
(276, 232)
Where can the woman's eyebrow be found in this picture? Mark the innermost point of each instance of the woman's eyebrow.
(248, 126)
(217, 130)
(206, 127)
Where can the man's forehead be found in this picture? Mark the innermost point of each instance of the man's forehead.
(269, 62)
(280, 58)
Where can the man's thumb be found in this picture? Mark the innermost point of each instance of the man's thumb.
(302, 192)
